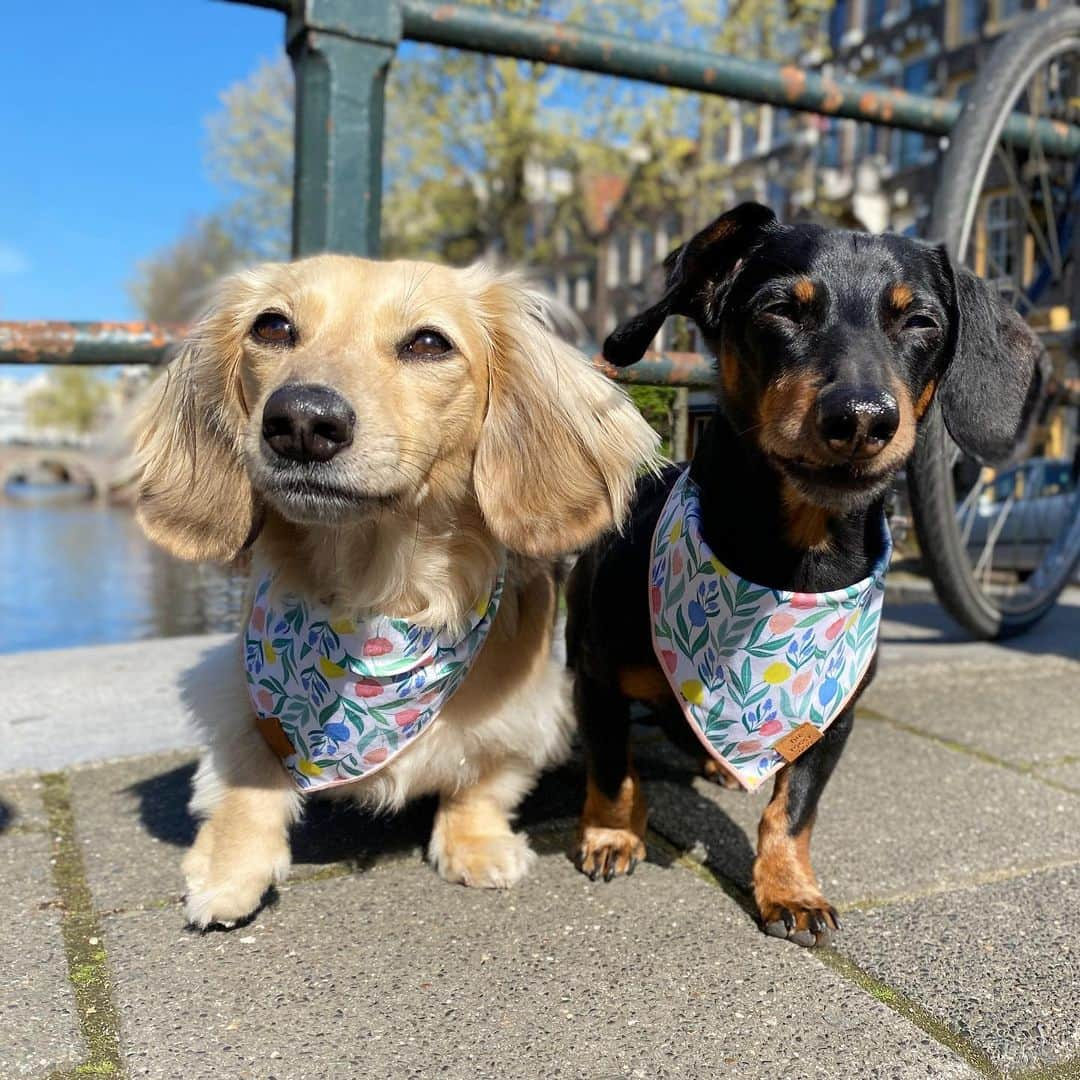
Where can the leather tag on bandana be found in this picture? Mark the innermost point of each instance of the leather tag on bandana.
(271, 730)
(797, 742)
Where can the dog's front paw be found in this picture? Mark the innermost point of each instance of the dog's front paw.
(607, 852)
(224, 892)
(486, 862)
(806, 920)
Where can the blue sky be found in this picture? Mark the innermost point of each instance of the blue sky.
(102, 110)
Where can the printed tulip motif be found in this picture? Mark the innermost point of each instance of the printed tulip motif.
(750, 664)
(376, 646)
(348, 695)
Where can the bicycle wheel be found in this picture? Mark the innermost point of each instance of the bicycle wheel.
(1000, 545)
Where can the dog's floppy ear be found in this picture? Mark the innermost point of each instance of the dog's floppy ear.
(561, 445)
(194, 495)
(994, 369)
(696, 275)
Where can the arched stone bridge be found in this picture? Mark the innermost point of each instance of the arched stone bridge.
(97, 470)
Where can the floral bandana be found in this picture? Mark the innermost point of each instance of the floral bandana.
(337, 699)
(759, 673)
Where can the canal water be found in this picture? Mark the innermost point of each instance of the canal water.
(85, 575)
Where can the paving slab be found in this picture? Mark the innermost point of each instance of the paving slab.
(1012, 713)
(390, 972)
(902, 815)
(39, 1028)
(999, 964)
(921, 633)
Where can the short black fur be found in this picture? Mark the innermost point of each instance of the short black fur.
(794, 314)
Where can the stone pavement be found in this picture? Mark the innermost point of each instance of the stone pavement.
(949, 840)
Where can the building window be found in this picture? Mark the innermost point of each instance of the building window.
(838, 22)
(1002, 251)
(871, 141)
(968, 19)
(648, 249)
(912, 144)
(562, 289)
(581, 293)
(875, 13)
(750, 122)
(776, 197)
(636, 266)
(830, 144)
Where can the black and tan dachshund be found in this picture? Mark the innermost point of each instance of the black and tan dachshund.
(830, 346)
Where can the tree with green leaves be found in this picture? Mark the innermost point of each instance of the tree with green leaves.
(171, 286)
(71, 400)
(486, 157)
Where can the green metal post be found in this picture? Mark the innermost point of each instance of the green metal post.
(341, 51)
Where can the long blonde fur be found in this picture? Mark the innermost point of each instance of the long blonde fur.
(514, 448)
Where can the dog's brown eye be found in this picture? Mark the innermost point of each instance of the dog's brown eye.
(273, 328)
(784, 309)
(920, 322)
(426, 344)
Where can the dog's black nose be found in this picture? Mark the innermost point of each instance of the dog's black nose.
(302, 422)
(857, 421)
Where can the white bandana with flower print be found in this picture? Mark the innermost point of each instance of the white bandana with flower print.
(749, 664)
(339, 699)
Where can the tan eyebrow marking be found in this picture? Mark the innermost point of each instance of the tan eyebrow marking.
(803, 290)
(900, 296)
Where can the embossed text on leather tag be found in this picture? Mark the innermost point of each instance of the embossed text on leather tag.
(797, 742)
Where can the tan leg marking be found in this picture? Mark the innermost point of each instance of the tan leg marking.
(785, 887)
(611, 833)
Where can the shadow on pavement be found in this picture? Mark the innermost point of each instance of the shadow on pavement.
(7, 816)
(338, 831)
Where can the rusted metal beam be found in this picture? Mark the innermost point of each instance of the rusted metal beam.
(104, 343)
(487, 30)
(86, 342)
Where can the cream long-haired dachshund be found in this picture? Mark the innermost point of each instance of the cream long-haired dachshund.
(405, 448)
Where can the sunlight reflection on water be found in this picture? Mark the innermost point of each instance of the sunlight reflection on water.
(85, 575)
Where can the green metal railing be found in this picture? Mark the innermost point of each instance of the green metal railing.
(341, 51)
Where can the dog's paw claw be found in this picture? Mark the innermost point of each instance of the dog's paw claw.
(607, 853)
(806, 925)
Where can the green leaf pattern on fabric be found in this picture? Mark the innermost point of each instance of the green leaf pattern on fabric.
(749, 664)
(351, 694)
